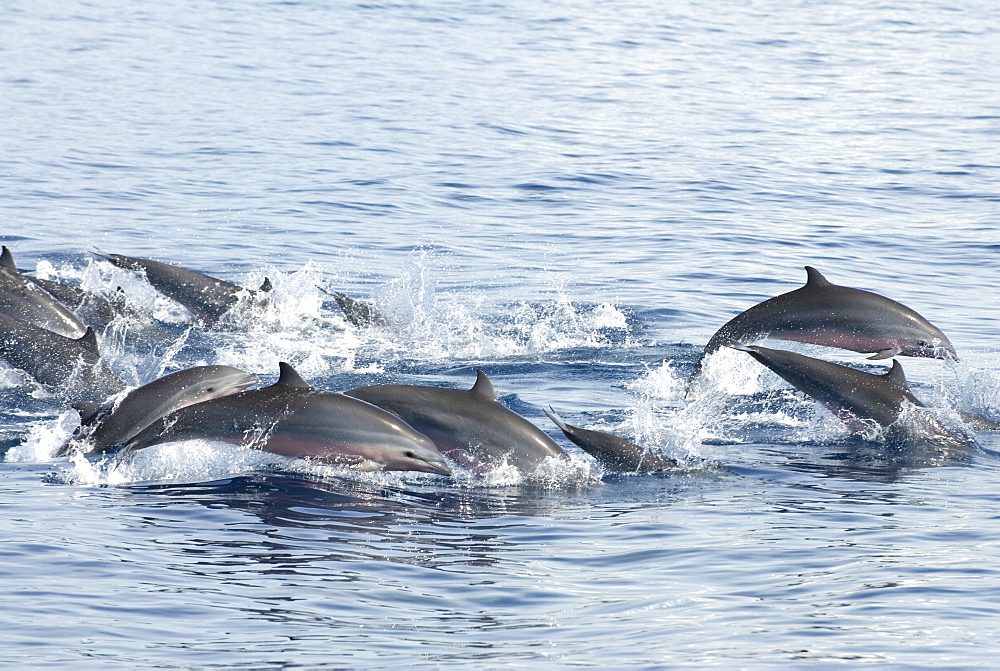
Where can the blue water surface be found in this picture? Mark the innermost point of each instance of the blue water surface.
(572, 196)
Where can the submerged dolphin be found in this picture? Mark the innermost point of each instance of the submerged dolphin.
(356, 312)
(295, 419)
(848, 393)
(23, 299)
(72, 366)
(610, 450)
(823, 313)
(104, 426)
(471, 427)
(206, 297)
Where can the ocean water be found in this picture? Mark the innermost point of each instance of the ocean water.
(572, 196)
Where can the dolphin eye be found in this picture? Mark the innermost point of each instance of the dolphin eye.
(409, 454)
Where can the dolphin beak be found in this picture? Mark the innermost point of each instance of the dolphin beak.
(437, 466)
(248, 381)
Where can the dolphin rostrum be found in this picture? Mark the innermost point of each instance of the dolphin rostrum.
(470, 427)
(610, 450)
(71, 366)
(823, 313)
(206, 297)
(294, 419)
(850, 394)
(107, 425)
(25, 300)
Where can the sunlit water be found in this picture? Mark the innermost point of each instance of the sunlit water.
(572, 197)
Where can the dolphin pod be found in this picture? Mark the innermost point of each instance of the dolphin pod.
(206, 297)
(610, 450)
(294, 419)
(409, 427)
(470, 426)
(823, 313)
(107, 425)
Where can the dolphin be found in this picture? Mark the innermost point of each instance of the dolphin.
(850, 394)
(93, 309)
(470, 427)
(206, 297)
(294, 419)
(823, 313)
(358, 313)
(107, 425)
(72, 365)
(610, 450)
(25, 300)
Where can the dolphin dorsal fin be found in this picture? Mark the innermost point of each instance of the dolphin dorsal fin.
(7, 261)
(483, 387)
(266, 285)
(895, 374)
(89, 340)
(87, 409)
(287, 377)
(814, 278)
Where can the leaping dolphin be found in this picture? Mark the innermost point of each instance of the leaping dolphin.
(73, 367)
(294, 419)
(848, 393)
(104, 426)
(823, 313)
(470, 427)
(610, 450)
(206, 297)
(23, 299)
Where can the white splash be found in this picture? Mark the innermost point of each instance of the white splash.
(44, 438)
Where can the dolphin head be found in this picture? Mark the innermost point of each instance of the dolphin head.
(932, 345)
(419, 455)
(220, 381)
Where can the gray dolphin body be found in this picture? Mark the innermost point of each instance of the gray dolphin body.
(294, 419)
(71, 366)
(105, 426)
(92, 309)
(610, 450)
(358, 313)
(23, 299)
(471, 427)
(823, 313)
(850, 394)
(206, 297)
